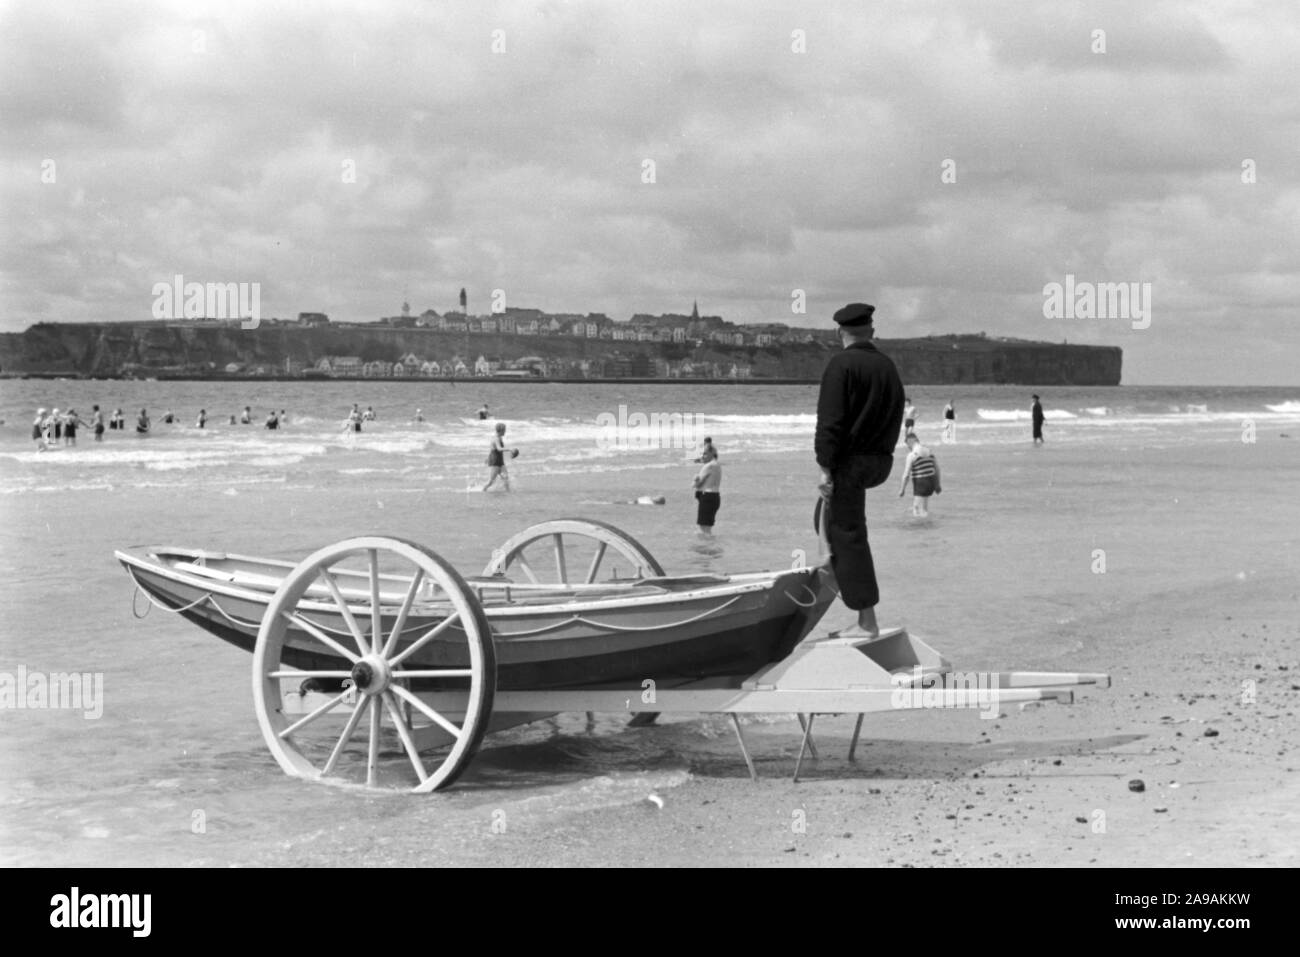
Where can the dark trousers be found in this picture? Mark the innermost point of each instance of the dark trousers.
(850, 552)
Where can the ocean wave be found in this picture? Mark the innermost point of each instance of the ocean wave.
(1291, 406)
(1021, 415)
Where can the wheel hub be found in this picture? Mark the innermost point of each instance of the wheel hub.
(371, 675)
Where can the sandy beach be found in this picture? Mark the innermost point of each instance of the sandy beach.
(1195, 616)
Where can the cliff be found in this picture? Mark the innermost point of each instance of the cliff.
(206, 349)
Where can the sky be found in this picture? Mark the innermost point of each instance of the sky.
(945, 161)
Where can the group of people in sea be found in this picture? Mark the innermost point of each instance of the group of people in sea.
(54, 428)
(910, 415)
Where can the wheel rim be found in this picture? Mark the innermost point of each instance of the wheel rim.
(431, 673)
(572, 551)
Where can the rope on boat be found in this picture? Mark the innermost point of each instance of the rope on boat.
(231, 618)
(141, 590)
(803, 604)
(608, 626)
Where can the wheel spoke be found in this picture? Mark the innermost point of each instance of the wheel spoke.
(372, 758)
(295, 673)
(376, 612)
(402, 612)
(595, 563)
(527, 569)
(348, 729)
(296, 619)
(435, 673)
(558, 546)
(404, 732)
(333, 586)
(307, 719)
(424, 639)
(427, 711)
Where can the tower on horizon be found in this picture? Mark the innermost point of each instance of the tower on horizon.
(695, 310)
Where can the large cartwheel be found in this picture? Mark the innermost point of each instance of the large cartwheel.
(345, 584)
(574, 551)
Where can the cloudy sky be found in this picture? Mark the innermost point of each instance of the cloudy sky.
(943, 160)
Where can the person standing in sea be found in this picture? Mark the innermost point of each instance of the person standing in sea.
(859, 411)
(708, 489)
(922, 470)
(496, 459)
(97, 423)
(949, 423)
(1036, 413)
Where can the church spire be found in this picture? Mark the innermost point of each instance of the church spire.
(695, 309)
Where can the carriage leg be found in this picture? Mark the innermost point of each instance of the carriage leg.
(803, 745)
(857, 729)
(812, 745)
(740, 736)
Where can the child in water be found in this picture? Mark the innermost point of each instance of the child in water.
(496, 459)
(922, 468)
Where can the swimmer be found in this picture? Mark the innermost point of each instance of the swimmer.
(419, 415)
(483, 412)
(203, 419)
(142, 423)
(246, 417)
(97, 423)
(272, 422)
(40, 426)
(708, 490)
(353, 421)
(496, 459)
(922, 469)
(70, 423)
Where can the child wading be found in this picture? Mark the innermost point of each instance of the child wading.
(496, 459)
(922, 468)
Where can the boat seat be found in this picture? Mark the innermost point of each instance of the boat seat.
(204, 571)
(248, 579)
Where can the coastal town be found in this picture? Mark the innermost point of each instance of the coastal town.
(517, 343)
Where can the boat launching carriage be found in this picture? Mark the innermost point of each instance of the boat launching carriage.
(375, 652)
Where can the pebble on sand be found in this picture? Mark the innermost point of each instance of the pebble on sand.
(1137, 785)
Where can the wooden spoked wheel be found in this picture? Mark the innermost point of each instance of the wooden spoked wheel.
(389, 639)
(567, 551)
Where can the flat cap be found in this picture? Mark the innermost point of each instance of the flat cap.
(855, 314)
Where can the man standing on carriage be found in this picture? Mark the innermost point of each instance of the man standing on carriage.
(859, 410)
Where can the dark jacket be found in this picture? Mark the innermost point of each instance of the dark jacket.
(860, 406)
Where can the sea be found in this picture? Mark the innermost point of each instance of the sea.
(173, 770)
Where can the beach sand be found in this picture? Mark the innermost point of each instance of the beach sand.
(1196, 617)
